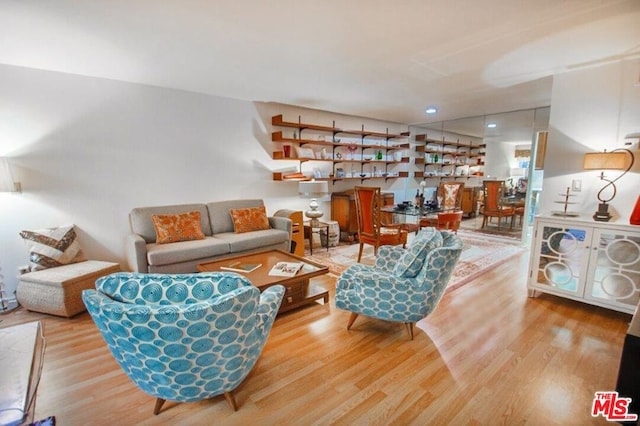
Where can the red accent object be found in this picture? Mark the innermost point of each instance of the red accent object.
(635, 215)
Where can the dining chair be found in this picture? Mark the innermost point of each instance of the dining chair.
(371, 230)
(449, 221)
(451, 195)
(449, 199)
(493, 202)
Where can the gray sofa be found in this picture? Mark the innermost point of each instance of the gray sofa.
(144, 255)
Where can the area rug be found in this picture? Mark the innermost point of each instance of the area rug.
(481, 253)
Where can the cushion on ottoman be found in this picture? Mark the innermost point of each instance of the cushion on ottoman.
(58, 291)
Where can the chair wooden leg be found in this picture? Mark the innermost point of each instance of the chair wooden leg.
(352, 318)
(484, 220)
(360, 252)
(158, 406)
(231, 400)
(409, 326)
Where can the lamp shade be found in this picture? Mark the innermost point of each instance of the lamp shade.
(6, 179)
(606, 161)
(312, 188)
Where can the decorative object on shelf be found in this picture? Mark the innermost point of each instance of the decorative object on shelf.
(304, 152)
(635, 215)
(287, 151)
(7, 184)
(379, 156)
(312, 189)
(352, 152)
(566, 203)
(618, 159)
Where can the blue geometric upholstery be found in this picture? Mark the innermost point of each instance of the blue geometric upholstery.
(184, 337)
(380, 292)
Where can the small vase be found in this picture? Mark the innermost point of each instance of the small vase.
(635, 215)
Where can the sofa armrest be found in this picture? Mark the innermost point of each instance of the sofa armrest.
(136, 252)
(283, 223)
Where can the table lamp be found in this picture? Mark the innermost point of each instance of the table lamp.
(618, 159)
(312, 189)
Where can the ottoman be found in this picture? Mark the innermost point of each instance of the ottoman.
(58, 291)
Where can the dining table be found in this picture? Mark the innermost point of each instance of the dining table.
(405, 216)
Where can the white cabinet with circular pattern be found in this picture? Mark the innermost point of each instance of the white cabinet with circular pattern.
(593, 262)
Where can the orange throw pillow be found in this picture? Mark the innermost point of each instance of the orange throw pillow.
(249, 219)
(171, 228)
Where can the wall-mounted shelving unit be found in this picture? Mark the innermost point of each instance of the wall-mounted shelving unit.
(439, 158)
(368, 150)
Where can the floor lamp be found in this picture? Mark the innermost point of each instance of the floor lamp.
(618, 159)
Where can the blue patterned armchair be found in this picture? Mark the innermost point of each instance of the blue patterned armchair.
(185, 337)
(403, 285)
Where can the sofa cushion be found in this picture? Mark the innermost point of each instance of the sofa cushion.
(249, 219)
(220, 217)
(142, 224)
(164, 254)
(52, 247)
(171, 228)
(253, 240)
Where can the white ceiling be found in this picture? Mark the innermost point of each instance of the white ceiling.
(371, 58)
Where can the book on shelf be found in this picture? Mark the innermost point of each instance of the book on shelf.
(286, 269)
(238, 266)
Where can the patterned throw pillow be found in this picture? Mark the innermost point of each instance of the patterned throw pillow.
(412, 261)
(171, 228)
(249, 219)
(52, 247)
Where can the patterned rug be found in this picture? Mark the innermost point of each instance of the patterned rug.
(481, 252)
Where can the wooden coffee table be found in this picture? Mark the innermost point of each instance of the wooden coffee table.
(299, 291)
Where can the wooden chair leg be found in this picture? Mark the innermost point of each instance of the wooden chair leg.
(352, 318)
(158, 406)
(360, 252)
(231, 400)
(409, 326)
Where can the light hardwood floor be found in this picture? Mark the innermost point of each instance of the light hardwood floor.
(487, 355)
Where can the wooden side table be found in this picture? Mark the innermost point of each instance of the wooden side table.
(297, 237)
(310, 230)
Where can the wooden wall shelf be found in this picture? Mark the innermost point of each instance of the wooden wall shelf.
(388, 144)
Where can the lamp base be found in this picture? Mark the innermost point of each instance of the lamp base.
(602, 215)
(313, 213)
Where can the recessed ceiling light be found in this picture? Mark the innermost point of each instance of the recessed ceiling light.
(492, 125)
(431, 110)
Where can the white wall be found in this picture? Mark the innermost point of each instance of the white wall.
(591, 110)
(87, 150)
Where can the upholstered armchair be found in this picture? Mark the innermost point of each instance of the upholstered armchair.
(403, 285)
(186, 337)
